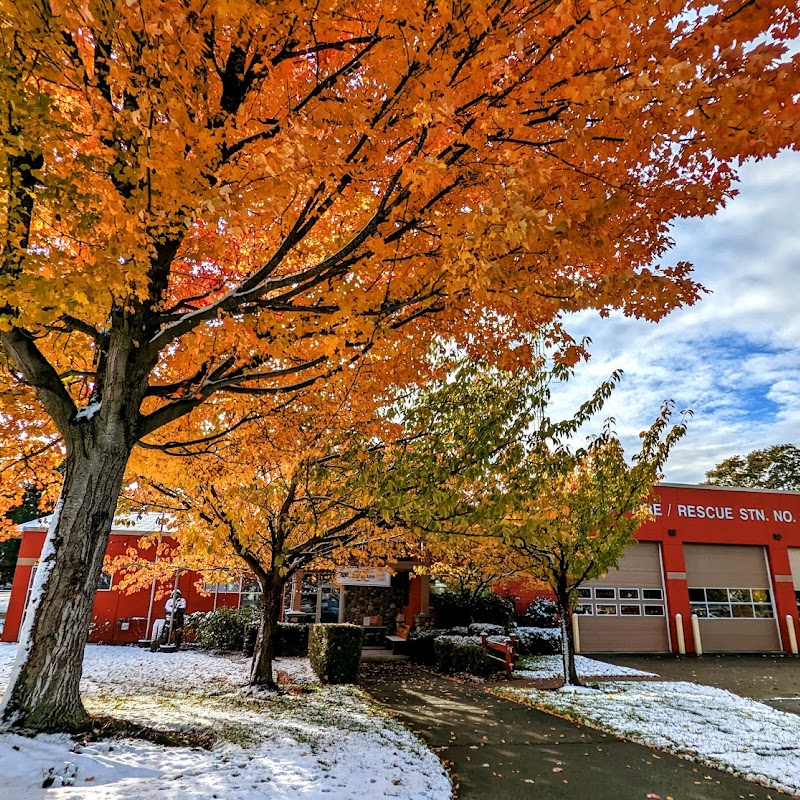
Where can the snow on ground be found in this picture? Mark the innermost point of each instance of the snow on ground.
(112, 669)
(323, 742)
(702, 723)
(549, 667)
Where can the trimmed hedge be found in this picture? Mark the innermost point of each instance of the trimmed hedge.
(420, 645)
(538, 641)
(224, 629)
(291, 639)
(335, 651)
(451, 656)
(477, 628)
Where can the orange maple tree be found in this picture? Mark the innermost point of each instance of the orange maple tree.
(236, 198)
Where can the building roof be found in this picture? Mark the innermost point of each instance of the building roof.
(142, 523)
(720, 488)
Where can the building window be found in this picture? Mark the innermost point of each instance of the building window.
(652, 594)
(584, 610)
(230, 587)
(605, 610)
(605, 594)
(654, 611)
(585, 593)
(251, 592)
(630, 610)
(718, 603)
(106, 579)
(628, 594)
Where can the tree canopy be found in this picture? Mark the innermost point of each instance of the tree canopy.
(202, 202)
(775, 467)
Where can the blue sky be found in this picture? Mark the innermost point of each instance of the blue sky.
(734, 357)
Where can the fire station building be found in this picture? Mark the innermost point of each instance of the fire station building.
(717, 569)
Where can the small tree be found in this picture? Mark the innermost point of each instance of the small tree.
(573, 513)
(291, 490)
(776, 467)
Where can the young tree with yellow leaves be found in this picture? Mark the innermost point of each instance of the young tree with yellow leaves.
(571, 513)
(212, 200)
(295, 487)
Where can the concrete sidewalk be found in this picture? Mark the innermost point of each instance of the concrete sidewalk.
(496, 749)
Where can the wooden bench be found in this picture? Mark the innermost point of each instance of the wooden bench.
(507, 652)
(396, 642)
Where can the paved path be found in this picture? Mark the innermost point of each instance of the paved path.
(500, 750)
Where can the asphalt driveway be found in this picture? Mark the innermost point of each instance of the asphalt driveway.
(771, 679)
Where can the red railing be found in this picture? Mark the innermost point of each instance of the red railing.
(507, 651)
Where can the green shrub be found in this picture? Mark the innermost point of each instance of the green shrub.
(451, 656)
(192, 623)
(454, 609)
(538, 641)
(335, 651)
(224, 629)
(292, 639)
(420, 645)
(541, 613)
(250, 638)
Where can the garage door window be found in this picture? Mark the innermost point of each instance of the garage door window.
(605, 610)
(718, 603)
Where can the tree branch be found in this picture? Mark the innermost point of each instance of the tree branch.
(41, 375)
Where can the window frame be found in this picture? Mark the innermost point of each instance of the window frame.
(708, 608)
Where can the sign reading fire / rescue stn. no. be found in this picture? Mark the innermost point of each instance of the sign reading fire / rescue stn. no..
(721, 512)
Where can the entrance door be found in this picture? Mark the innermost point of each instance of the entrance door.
(320, 600)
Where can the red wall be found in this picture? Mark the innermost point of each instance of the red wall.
(710, 515)
(111, 607)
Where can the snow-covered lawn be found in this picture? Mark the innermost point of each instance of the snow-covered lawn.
(548, 667)
(322, 742)
(702, 723)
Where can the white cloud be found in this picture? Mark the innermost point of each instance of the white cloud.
(733, 358)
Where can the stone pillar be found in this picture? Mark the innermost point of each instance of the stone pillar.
(424, 593)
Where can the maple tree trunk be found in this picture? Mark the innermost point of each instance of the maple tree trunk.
(264, 653)
(567, 645)
(43, 692)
